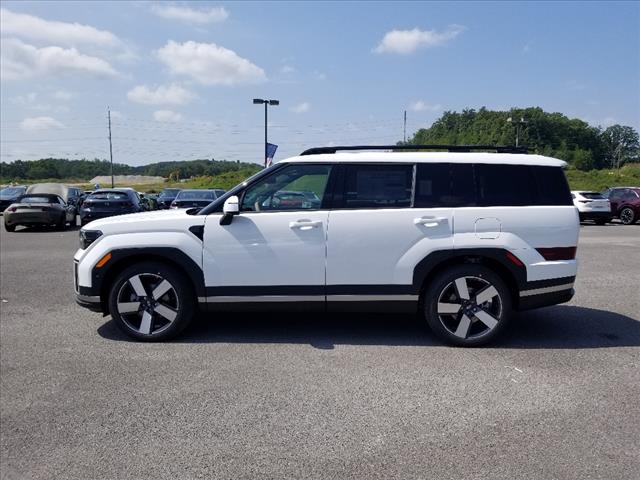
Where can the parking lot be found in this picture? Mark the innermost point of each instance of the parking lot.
(343, 396)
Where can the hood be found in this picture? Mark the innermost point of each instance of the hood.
(156, 221)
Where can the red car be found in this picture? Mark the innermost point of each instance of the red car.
(625, 203)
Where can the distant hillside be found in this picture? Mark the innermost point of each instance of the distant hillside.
(62, 168)
(585, 147)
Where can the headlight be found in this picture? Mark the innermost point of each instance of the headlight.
(87, 237)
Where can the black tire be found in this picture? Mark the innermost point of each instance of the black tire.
(449, 325)
(9, 228)
(62, 223)
(627, 216)
(179, 301)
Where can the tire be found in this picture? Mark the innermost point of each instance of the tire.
(9, 228)
(148, 316)
(627, 216)
(463, 322)
(62, 223)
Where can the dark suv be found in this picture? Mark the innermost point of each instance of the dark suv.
(625, 203)
(166, 197)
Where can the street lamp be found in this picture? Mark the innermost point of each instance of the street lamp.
(260, 101)
(522, 122)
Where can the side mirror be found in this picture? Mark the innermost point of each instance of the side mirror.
(229, 209)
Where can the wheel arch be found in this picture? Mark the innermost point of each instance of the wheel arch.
(102, 279)
(514, 276)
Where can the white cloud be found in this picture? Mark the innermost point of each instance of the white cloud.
(170, 95)
(53, 32)
(420, 106)
(301, 107)
(209, 64)
(116, 115)
(190, 15)
(287, 69)
(405, 42)
(33, 124)
(62, 95)
(20, 60)
(166, 116)
(319, 76)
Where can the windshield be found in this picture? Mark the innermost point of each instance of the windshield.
(169, 192)
(108, 196)
(196, 195)
(11, 191)
(39, 199)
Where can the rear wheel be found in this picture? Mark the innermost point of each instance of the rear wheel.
(467, 305)
(62, 223)
(9, 228)
(627, 216)
(151, 301)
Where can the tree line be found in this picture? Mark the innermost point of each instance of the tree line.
(61, 168)
(552, 134)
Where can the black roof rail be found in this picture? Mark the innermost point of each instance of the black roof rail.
(449, 148)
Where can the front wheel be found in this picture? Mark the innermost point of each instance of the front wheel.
(467, 305)
(9, 228)
(151, 301)
(627, 216)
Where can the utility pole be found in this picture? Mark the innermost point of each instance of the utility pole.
(110, 146)
(405, 126)
(260, 101)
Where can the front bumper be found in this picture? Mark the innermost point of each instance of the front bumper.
(89, 302)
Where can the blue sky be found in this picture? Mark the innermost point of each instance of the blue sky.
(180, 76)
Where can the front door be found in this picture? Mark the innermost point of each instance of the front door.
(274, 249)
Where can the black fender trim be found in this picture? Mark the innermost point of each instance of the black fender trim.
(435, 259)
(171, 255)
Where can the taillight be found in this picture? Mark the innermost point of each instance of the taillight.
(12, 209)
(558, 253)
(585, 201)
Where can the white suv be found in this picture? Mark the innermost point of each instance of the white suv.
(460, 237)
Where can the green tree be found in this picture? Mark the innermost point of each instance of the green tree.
(621, 145)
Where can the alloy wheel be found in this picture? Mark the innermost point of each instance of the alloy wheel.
(469, 307)
(147, 303)
(626, 216)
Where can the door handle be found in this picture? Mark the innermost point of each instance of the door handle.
(429, 221)
(305, 224)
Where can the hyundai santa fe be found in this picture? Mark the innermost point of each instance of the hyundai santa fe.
(461, 237)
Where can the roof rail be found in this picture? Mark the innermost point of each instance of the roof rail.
(449, 148)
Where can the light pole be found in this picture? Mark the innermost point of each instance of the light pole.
(260, 101)
(522, 122)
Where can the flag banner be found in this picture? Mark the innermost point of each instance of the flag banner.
(271, 152)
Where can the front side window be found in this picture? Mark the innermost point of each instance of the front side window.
(295, 187)
(378, 186)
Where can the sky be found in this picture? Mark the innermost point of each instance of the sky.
(180, 77)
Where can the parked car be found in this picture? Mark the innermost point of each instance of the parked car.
(194, 198)
(166, 197)
(592, 206)
(625, 203)
(289, 199)
(38, 209)
(109, 202)
(9, 195)
(70, 195)
(382, 237)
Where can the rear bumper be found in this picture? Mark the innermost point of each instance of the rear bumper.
(31, 218)
(545, 298)
(595, 216)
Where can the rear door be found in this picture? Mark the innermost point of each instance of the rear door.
(377, 236)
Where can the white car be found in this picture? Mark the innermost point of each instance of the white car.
(592, 206)
(460, 238)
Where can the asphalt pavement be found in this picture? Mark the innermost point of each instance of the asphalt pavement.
(315, 396)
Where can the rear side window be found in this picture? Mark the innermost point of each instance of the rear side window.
(505, 185)
(552, 187)
(445, 185)
(378, 186)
